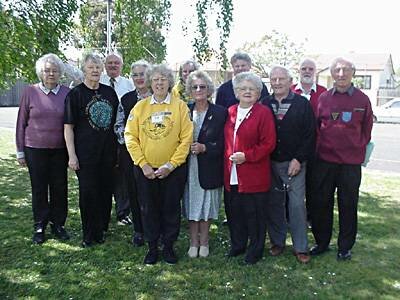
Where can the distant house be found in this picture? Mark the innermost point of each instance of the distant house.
(375, 74)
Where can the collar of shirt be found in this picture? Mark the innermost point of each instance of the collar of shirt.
(47, 91)
(167, 100)
(299, 87)
(349, 91)
(289, 97)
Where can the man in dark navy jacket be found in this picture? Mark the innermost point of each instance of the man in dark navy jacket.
(241, 62)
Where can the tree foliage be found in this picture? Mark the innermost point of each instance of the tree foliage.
(137, 28)
(29, 29)
(201, 40)
(273, 49)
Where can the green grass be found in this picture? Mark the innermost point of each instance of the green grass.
(114, 270)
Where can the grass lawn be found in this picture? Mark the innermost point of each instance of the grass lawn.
(115, 270)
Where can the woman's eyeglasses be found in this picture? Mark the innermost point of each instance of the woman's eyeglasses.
(198, 87)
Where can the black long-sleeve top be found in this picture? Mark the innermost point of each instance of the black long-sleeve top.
(295, 128)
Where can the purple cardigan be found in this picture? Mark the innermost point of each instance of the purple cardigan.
(40, 122)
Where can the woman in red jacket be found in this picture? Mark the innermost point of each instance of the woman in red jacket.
(249, 140)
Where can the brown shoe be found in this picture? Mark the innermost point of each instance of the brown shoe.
(276, 250)
(303, 257)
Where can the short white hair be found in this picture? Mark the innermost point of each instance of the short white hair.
(48, 58)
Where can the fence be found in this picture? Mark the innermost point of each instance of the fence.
(11, 97)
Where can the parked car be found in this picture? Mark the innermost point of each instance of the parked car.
(388, 112)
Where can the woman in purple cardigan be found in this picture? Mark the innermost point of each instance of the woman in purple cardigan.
(41, 147)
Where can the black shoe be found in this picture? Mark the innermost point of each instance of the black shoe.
(344, 255)
(60, 232)
(234, 253)
(38, 237)
(125, 221)
(86, 244)
(317, 250)
(169, 255)
(151, 257)
(100, 239)
(137, 239)
(251, 260)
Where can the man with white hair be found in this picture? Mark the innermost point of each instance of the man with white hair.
(121, 85)
(295, 143)
(308, 88)
(344, 123)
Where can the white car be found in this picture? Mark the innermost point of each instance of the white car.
(388, 112)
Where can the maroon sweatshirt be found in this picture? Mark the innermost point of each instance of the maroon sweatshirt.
(344, 121)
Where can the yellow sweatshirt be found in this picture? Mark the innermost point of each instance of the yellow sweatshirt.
(156, 134)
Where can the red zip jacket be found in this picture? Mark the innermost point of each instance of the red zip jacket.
(256, 138)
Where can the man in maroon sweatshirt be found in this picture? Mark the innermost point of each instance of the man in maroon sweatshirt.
(344, 124)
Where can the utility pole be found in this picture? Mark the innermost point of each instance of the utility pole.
(109, 26)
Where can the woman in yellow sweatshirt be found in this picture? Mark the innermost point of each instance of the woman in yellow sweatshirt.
(158, 135)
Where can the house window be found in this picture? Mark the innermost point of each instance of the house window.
(362, 81)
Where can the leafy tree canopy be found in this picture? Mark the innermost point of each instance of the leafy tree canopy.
(28, 30)
(273, 49)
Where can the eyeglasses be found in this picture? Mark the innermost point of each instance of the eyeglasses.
(343, 69)
(161, 79)
(140, 74)
(247, 89)
(48, 71)
(198, 87)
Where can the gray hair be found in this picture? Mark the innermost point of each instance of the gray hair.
(304, 60)
(286, 70)
(164, 71)
(91, 57)
(140, 63)
(241, 56)
(117, 54)
(342, 60)
(48, 58)
(195, 65)
(203, 76)
(247, 76)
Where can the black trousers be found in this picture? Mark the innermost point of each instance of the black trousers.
(160, 204)
(326, 179)
(48, 174)
(246, 221)
(128, 185)
(121, 191)
(95, 198)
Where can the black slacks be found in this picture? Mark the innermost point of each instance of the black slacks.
(326, 179)
(160, 204)
(128, 186)
(48, 174)
(121, 191)
(95, 198)
(246, 220)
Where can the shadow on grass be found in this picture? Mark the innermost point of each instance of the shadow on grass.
(115, 269)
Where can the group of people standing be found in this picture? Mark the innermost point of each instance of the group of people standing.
(164, 149)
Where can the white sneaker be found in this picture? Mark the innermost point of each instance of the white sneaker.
(204, 251)
(193, 252)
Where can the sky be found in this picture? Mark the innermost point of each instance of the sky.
(337, 26)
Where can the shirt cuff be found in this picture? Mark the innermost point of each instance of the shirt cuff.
(20, 154)
(167, 165)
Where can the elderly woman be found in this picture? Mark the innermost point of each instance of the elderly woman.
(203, 191)
(179, 90)
(90, 110)
(41, 147)
(127, 180)
(158, 136)
(249, 140)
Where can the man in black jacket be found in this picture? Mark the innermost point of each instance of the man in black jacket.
(295, 128)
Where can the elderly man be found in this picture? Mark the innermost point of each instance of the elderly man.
(344, 122)
(241, 62)
(121, 85)
(295, 134)
(308, 88)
